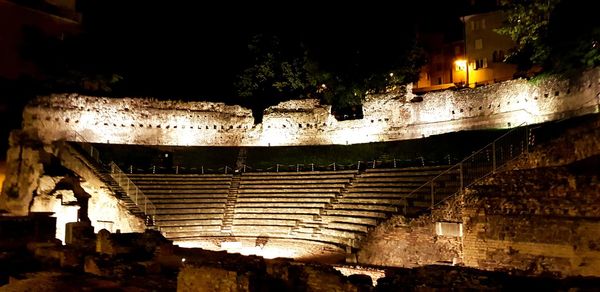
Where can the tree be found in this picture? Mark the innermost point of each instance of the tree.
(339, 69)
(561, 36)
(278, 70)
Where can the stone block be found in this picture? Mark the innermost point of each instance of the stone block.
(79, 234)
(70, 258)
(97, 266)
(211, 279)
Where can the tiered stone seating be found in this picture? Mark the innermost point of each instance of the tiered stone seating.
(289, 204)
(186, 205)
(322, 206)
(378, 192)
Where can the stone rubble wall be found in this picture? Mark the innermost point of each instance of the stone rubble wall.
(28, 186)
(399, 242)
(387, 117)
(539, 217)
(542, 220)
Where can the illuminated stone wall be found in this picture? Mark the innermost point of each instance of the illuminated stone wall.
(387, 117)
(543, 215)
(401, 242)
(30, 180)
(540, 217)
(538, 220)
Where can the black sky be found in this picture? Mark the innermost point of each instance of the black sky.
(184, 49)
(194, 49)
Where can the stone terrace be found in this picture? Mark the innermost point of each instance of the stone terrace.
(332, 207)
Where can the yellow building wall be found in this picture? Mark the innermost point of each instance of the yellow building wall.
(481, 42)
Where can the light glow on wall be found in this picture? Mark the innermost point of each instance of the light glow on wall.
(288, 248)
(297, 123)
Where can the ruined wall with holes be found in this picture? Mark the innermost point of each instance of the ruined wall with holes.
(392, 116)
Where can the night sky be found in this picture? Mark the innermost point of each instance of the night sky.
(179, 50)
(194, 50)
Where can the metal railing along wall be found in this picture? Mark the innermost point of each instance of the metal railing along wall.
(85, 145)
(133, 192)
(282, 167)
(478, 165)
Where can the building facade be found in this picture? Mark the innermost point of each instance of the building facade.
(478, 57)
(486, 49)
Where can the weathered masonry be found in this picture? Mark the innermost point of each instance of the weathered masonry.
(387, 117)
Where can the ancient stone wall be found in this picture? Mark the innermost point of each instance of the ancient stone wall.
(387, 117)
(539, 215)
(31, 183)
(538, 220)
(409, 243)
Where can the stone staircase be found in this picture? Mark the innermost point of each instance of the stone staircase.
(103, 173)
(230, 205)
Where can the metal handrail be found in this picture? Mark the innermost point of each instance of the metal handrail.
(464, 167)
(85, 145)
(132, 191)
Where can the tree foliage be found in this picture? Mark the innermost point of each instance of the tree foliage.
(559, 35)
(338, 70)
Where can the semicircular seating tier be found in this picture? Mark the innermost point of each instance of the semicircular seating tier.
(330, 207)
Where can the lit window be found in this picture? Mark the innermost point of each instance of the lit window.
(479, 44)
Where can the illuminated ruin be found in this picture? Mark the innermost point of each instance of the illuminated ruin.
(371, 216)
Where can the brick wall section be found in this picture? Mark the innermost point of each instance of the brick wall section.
(401, 243)
(575, 144)
(537, 220)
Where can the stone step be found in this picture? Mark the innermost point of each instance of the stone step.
(269, 216)
(259, 229)
(356, 213)
(189, 228)
(280, 205)
(273, 222)
(187, 176)
(309, 230)
(393, 184)
(310, 173)
(186, 186)
(175, 235)
(342, 233)
(293, 186)
(265, 181)
(189, 205)
(380, 190)
(188, 201)
(348, 206)
(184, 191)
(373, 201)
(283, 199)
(411, 180)
(438, 168)
(193, 216)
(270, 190)
(376, 195)
(348, 226)
(287, 195)
(153, 197)
(190, 211)
(188, 222)
(279, 210)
